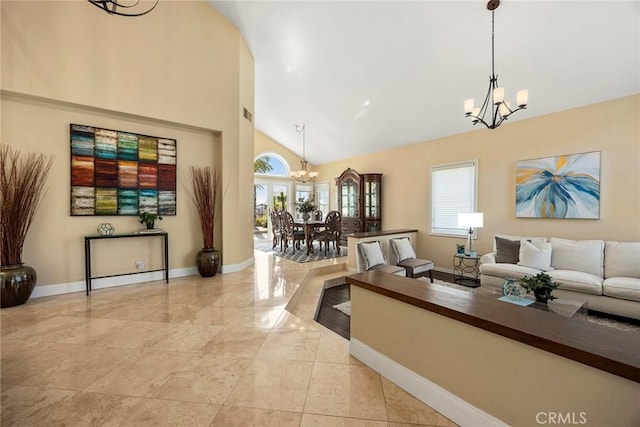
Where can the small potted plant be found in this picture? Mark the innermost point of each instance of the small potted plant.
(460, 248)
(305, 207)
(149, 219)
(541, 284)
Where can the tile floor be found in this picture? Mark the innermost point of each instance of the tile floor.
(221, 351)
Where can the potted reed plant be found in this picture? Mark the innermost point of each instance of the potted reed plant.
(203, 193)
(22, 188)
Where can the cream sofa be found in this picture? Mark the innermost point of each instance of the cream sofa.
(606, 273)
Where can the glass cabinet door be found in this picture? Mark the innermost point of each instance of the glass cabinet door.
(371, 199)
(349, 191)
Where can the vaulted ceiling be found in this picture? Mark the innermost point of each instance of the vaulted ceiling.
(366, 76)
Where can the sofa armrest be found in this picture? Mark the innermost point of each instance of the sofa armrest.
(489, 258)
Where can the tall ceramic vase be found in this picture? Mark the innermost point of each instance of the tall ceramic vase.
(208, 262)
(17, 283)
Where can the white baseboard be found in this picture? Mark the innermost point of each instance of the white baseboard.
(109, 282)
(443, 401)
(443, 270)
(234, 268)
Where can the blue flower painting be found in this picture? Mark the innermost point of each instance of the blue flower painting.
(559, 187)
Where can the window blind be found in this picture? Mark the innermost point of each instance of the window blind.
(453, 191)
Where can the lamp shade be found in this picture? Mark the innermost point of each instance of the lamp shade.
(470, 220)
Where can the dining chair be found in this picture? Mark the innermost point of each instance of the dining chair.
(276, 229)
(317, 215)
(331, 232)
(289, 231)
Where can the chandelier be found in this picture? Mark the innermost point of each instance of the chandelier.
(128, 6)
(494, 103)
(303, 175)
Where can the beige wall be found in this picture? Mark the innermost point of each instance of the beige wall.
(609, 127)
(181, 72)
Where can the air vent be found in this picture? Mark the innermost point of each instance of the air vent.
(248, 115)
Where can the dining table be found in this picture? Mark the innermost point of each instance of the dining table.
(309, 227)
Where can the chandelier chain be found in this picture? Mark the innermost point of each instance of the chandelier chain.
(303, 175)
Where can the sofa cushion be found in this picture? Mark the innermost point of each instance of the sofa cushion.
(622, 287)
(516, 238)
(577, 281)
(507, 270)
(391, 269)
(402, 248)
(579, 255)
(371, 254)
(507, 250)
(622, 259)
(535, 255)
(416, 265)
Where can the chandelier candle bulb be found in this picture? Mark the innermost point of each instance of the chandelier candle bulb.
(468, 106)
(498, 95)
(522, 97)
(505, 108)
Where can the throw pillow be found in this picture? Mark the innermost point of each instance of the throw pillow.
(507, 251)
(535, 255)
(403, 249)
(371, 253)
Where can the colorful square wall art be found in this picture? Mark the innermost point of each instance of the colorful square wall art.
(559, 187)
(121, 173)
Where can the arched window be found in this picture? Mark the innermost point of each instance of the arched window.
(271, 164)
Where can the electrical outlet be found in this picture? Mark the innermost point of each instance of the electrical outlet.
(140, 264)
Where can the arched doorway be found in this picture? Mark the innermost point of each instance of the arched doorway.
(272, 188)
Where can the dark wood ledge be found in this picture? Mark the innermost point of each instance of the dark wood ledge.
(611, 350)
(364, 234)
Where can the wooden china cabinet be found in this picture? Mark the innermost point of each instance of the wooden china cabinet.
(359, 202)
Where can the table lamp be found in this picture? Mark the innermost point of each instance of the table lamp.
(471, 220)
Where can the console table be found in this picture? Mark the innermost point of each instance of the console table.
(87, 254)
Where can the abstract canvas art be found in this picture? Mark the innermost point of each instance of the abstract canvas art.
(121, 173)
(565, 186)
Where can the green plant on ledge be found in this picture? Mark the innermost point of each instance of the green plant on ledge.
(541, 284)
(148, 219)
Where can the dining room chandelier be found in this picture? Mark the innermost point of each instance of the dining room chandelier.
(494, 104)
(127, 7)
(303, 175)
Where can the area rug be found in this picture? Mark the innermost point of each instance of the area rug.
(344, 307)
(597, 318)
(301, 254)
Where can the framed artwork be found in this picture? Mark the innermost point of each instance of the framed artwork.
(565, 186)
(121, 173)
